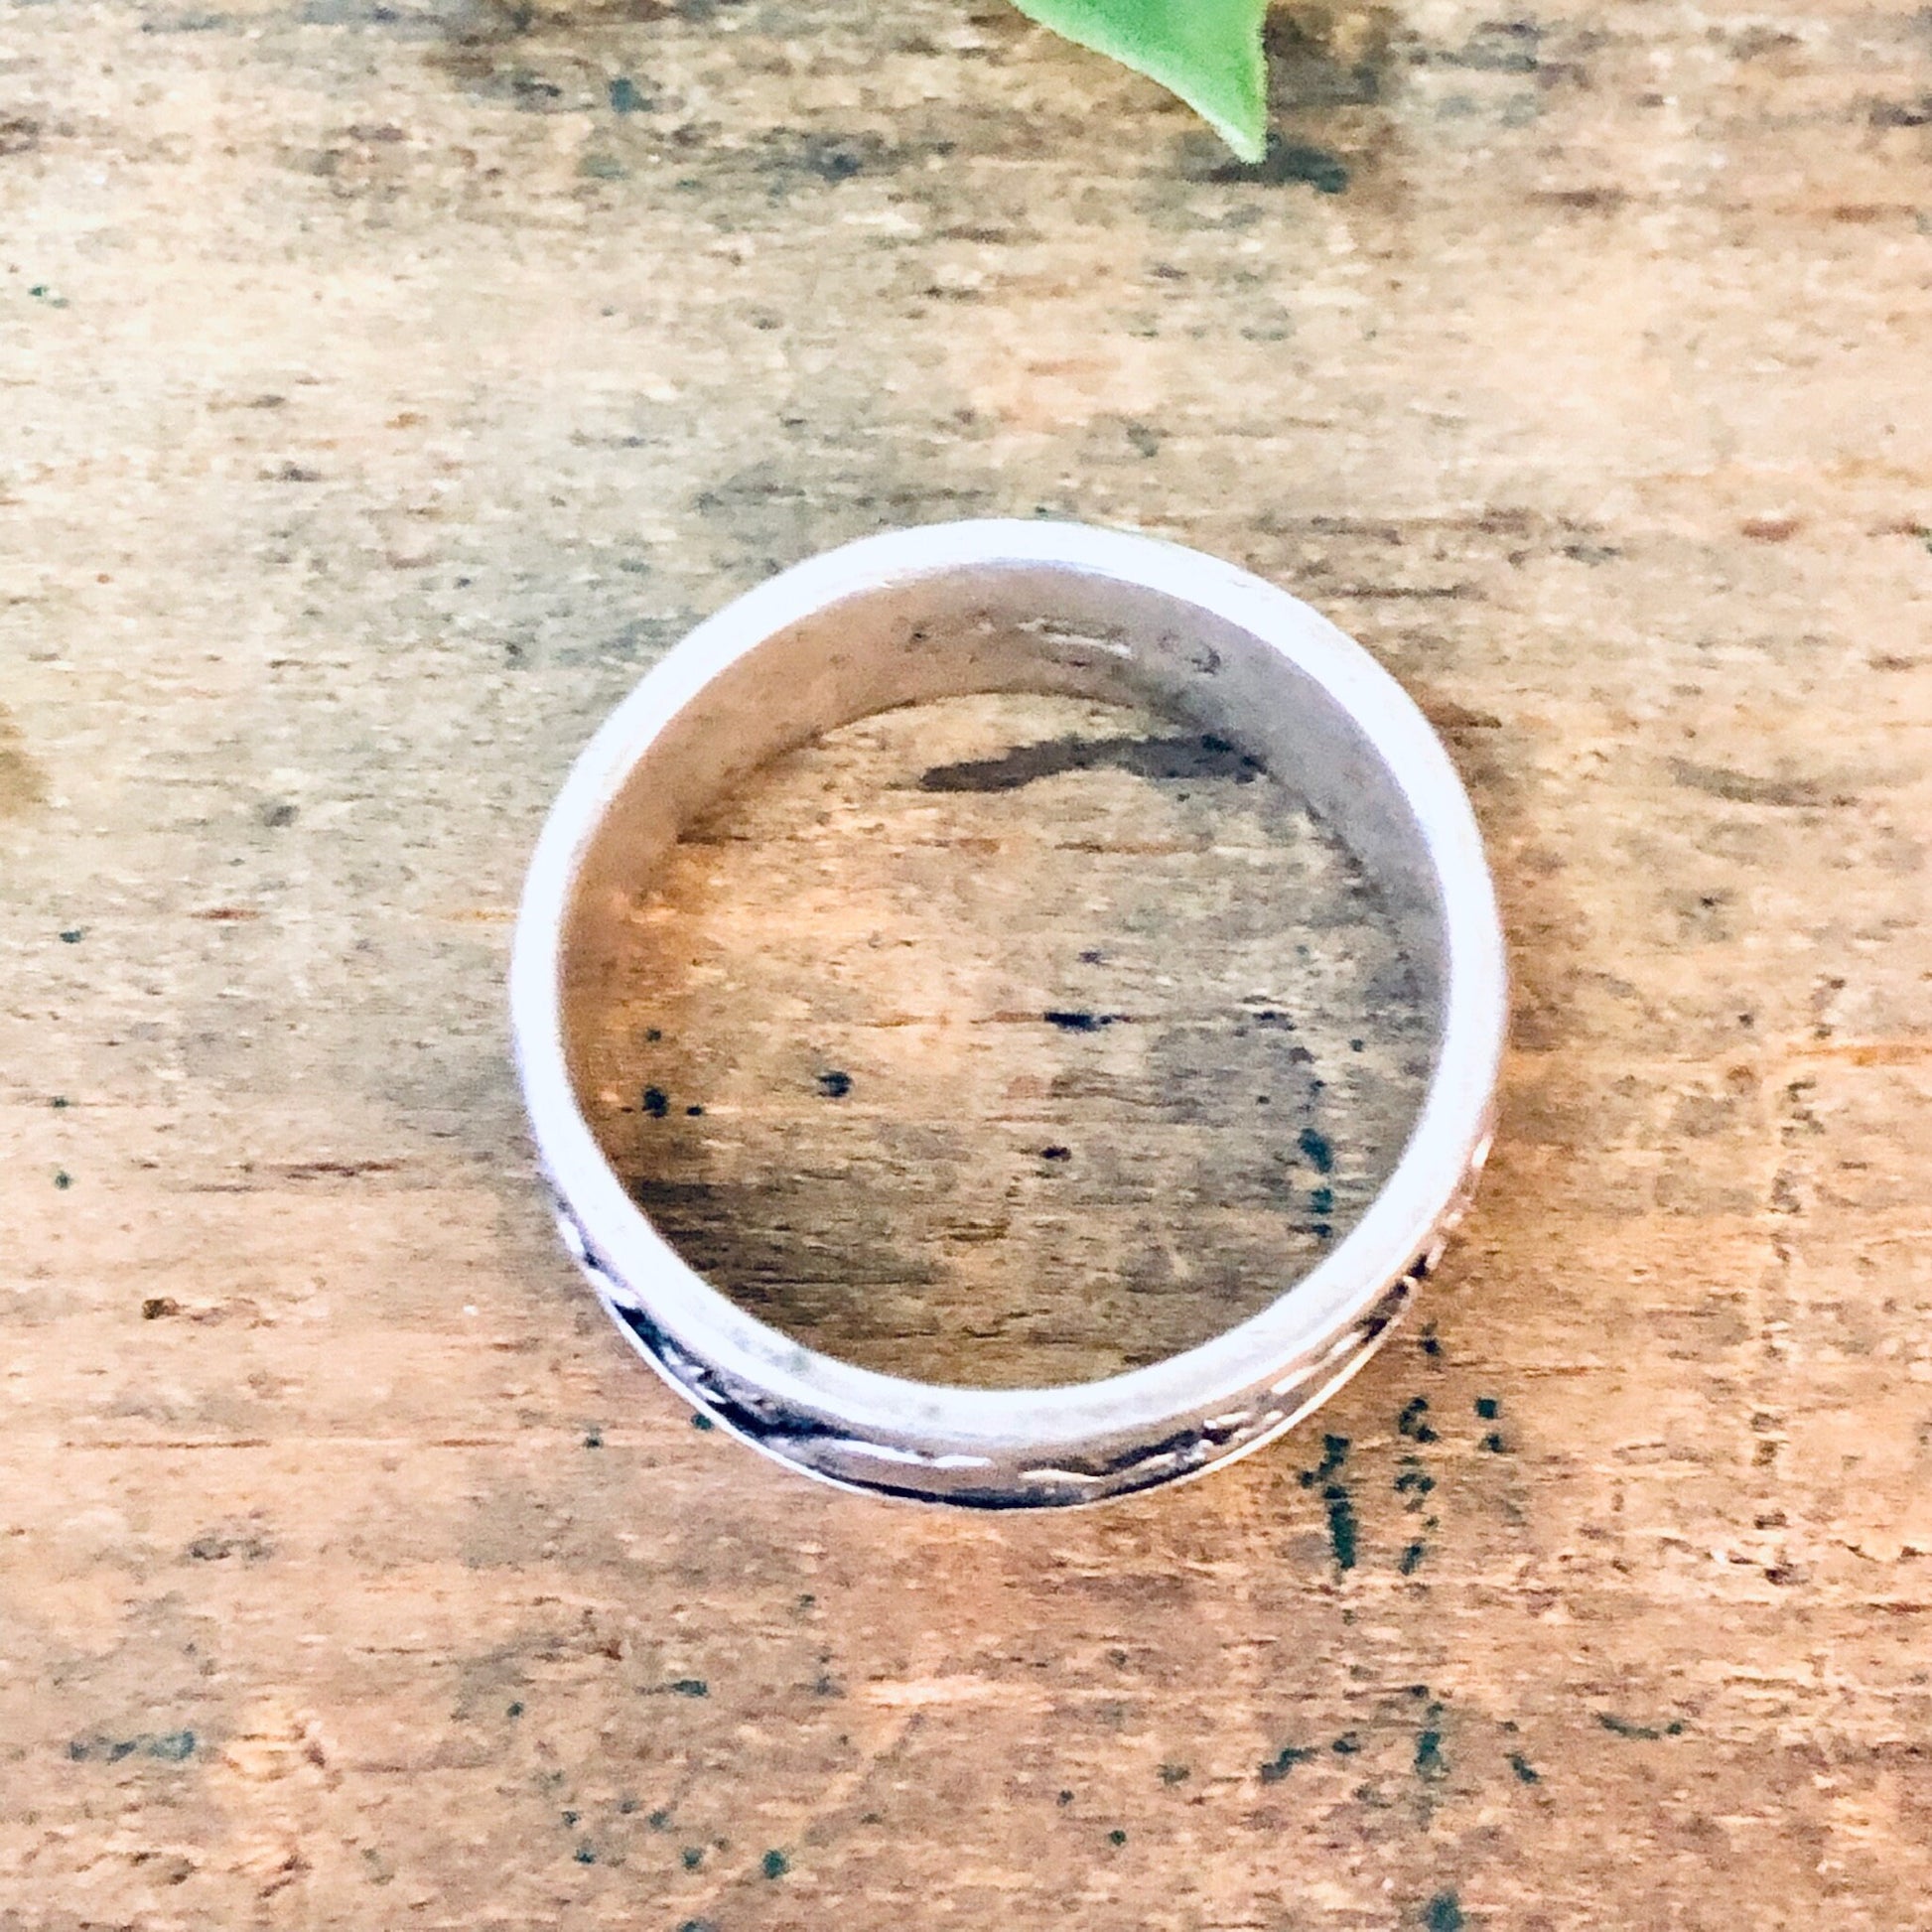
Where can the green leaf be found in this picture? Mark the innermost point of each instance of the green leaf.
(1209, 52)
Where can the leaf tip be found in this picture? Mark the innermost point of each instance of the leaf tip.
(1209, 52)
(1250, 143)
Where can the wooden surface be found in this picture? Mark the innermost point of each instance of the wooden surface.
(381, 388)
(1008, 1040)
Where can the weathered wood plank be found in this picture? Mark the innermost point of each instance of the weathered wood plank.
(968, 1068)
(382, 389)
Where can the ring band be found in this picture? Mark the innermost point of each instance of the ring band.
(1007, 606)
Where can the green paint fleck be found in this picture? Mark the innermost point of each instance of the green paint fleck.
(1443, 1913)
(626, 97)
(1321, 1200)
(1290, 161)
(60, 1100)
(693, 1857)
(1335, 1453)
(1415, 1482)
(1065, 1798)
(569, 1817)
(690, 1687)
(1429, 1344)
(583, 1854)
(659, 1821)
(513, 1711)
(1430, 1761)
(775, 1865)
(73, 936)
(1174, 1774)
(168, 1747)
(702, 1422)
(1321, 1155)
(1341, 1525)
(593, 1437)
(1489, 1407)
(1348, 1745)
(1526, 1772)
(1412, 1558)
(1284, 1761)
(1624, 1727)
(61, 1178)
(1494, 1442)
(1409, 1423)
(697, 1925)
(1117, 1837)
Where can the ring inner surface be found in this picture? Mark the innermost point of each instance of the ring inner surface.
(1047, 1022)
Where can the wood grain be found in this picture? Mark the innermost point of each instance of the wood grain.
(1009, 1040)
(382, 387)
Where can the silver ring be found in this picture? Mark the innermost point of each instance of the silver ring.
(997, 605)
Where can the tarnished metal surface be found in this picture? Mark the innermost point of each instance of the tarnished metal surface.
(917, 615)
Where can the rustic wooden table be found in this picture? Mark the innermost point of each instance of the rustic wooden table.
(383, 386)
